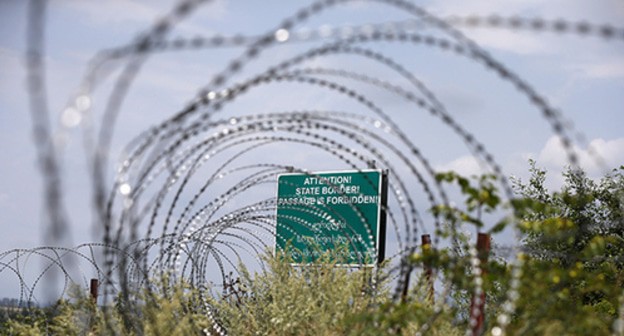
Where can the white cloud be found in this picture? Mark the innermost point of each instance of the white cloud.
(465, 165)
(500, 39)
(141, 14)
(608, 11)
(483, 7)
(515, 42)
(613, 68)
(113, 11)
(598, 157)
(522, 41)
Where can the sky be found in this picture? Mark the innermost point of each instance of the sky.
(582, 76)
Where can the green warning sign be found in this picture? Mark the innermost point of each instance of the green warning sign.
(340, 211)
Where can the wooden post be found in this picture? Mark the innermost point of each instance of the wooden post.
(426, 247)
(94, 290)
(477, 304)
(426, 244)
(406, 285)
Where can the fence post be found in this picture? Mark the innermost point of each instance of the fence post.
(477, 304)
(426, 247)
(94, 290)
(406, 285)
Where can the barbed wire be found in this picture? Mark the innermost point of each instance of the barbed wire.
(515, 23)
(194, 198)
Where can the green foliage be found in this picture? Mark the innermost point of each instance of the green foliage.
(290, 300)
(567, 222)
(556, 299)
(480, 198)
(572, 276)
(75, 316)
(173, 313)
(401, 319)
(574, 242)
(321, 299)
(170, 314)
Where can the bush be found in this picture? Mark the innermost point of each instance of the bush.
(570, 281)
(320, 299)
